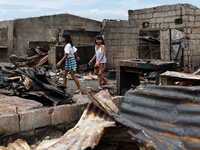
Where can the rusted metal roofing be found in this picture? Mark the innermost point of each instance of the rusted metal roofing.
(14, 104)
(17, 145)
(180, 75)
(90, 128)
(87, 132)
(162, 117)
(103, 100)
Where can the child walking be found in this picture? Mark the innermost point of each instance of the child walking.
(70, 58)
(100, 64)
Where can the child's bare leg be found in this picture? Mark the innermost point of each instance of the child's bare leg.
(104, 79)
(64, 73)
(96, 72)
(76, 80)
(100, 75)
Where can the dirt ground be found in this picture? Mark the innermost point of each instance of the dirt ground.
(92, 84)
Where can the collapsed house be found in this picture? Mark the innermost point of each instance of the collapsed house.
(166, 23)
(45, 31)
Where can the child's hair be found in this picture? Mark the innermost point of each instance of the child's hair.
(99, 37)
(68, 38)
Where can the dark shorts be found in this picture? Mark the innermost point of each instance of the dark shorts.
(70, 64)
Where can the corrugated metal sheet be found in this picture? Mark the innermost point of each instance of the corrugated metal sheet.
(103, 100)
(53, 93)
(17, 145)
(162, 117)
(180, 75)
(87, 132)
(14, 104)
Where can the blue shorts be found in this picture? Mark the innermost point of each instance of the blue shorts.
(70, 64)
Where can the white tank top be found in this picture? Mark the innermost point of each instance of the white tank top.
(98, 55)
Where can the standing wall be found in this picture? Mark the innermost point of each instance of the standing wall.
(6, 40)
(162, 18)
(41, 28)
(121, 41)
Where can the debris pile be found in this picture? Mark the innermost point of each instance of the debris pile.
(35, 58)
(179, 78)
(33, 83)
(163, 116)
(148, 78)
(155, 117)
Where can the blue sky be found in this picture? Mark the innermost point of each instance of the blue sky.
(92, 9)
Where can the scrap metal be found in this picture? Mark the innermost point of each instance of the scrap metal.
(32, 83)
(182, 75)
(4, 70)
(19, 144)
(156, 117)
(103, 100)
(34, 59)
(179, 78)
(86, 133)
(162, 117)
(89, 129)
(55, 93)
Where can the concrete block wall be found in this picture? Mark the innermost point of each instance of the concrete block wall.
(37, 29)
(193, 38)
(85, 53)
(3, 36)
(121, 41)
(159, 18)
(41, 117)
(9, 124)
(83, 37)
(44, 28)
(44, 45)
(163, 18)
(6, 52)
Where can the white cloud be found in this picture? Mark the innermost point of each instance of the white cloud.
(93, 9)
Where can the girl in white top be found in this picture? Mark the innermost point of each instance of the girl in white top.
(100, 64)
(70, 58)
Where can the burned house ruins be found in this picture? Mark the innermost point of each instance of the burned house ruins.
(125, 38)
(162, 114)
(45, 31)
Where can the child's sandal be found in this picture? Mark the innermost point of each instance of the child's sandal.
(104, 83)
